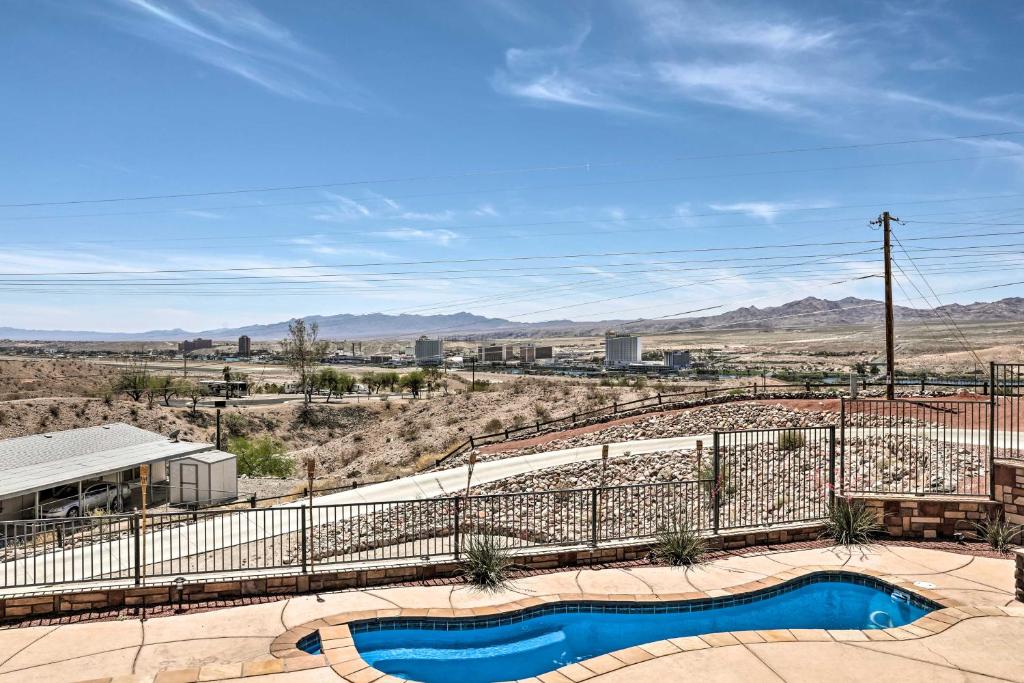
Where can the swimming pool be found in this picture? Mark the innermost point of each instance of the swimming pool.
(539, 639)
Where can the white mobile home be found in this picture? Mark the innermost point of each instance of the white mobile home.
(50, 474)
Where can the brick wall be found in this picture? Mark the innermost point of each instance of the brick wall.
(1010, 489)
(916, 518)
(928, 518)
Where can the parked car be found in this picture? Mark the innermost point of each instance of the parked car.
(99, 496)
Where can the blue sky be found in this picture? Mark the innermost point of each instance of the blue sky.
(494, 130)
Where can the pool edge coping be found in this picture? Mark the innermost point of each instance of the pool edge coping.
(340, 653)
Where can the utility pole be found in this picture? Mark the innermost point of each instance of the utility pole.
(890, 335)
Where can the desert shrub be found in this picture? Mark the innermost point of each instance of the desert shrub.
(493, 426)
(320, 417)
(198, 418)
(485, 563)
(706, 474)
(54, 410)
(791, 440)
(4, 419)
(851, 522)
(518, 421)
(998, 533)
(263, 457)
(679, 544)
(236, 424)
(542, 412)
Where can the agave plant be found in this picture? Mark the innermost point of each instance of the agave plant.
(485, 563)
(998, 533)
(851, 522)
(679, 545)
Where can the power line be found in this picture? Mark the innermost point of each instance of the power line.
(587, 166)
(937, 300)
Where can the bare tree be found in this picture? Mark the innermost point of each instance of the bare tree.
(133, 379)
(194, 392)
(303, 351)
(166, 386)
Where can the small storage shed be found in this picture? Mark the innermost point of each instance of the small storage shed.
(203, 478)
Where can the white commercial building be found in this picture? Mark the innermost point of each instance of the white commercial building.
(429, 350)
(621, 350)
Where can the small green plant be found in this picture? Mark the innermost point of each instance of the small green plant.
(791, 440)
(998, 533)
(236, 424)
(851, 522)
(679, 545)
(263, 457)
(485, 563)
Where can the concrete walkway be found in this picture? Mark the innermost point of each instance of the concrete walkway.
(212, 646)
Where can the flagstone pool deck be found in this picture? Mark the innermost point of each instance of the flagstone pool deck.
(979, 637)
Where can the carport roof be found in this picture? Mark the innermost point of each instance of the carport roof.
(41, 461)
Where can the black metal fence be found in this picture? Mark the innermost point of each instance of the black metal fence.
(912, 446)
(167, 545)
(772, 476)
(750, 479)
(1008, 388)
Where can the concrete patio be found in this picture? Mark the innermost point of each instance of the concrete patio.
(236, 643)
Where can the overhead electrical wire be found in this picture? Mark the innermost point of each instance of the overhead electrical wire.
(586, 166)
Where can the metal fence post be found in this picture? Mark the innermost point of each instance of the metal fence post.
(134, 526)
(456, 528)
(842, 443)
(305, 545)
(831, 466)
(716, 483)
(593, 516)
(993, 406)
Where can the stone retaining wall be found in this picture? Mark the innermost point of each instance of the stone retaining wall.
(926, 518)
(1009, 490)
(929, 518)
(96, 599)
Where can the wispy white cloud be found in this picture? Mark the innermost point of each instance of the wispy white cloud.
(235, 37)
(198, 213)
(769, 211)
(671, 23)
(441, 237)
(955, 110)
(764, 62)
(342, 210)
(556, 75)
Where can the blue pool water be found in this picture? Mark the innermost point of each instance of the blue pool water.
(541, 639)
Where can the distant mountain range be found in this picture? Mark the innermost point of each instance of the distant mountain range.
(808, 313)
